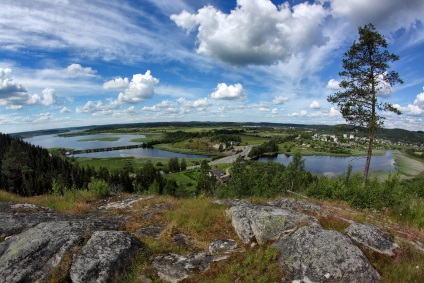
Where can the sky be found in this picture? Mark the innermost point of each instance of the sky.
(70, 63)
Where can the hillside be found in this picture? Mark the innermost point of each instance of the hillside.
(202, 240)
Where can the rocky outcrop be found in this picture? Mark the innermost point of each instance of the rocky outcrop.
(304, 206)
(370, 236)
(263, 223)
(125, 203)
(31, 255)
(15, 218)
(150, 232)
(105, 257)
(174, 268)
(225, 246)
(313, 254)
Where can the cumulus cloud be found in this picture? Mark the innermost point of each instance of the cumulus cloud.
(65, 110)
(14, 96)
(99, 108)
(274, 111)
(76, 70)
(419, 101)
(315, 105)
(333, 85)
(415, 109)
(140, 88)
(49, 96)
(279, 100)
(255, 32)
(117, 83)
(301, 113)
(228, 92)
(391, 14)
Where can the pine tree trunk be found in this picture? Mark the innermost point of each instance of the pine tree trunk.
(367, 164)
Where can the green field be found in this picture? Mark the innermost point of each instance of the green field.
(120, 162)
(407, 166)
(148, 137)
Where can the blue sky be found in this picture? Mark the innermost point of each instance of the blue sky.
(72, 63)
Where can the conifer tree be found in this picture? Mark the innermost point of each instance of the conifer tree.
(366, 73)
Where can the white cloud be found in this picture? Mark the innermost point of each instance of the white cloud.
(65, 110)
(279, 100)
(333, 85)
(264, 109)
(301, 113)
(99, 108)
(76, 70)
(230, 92)
(202, 102)
(315, 105)
(49, 96)
(412, 110)
(390, 14)
(255, 32)
(117, 83)
(140, 88)
(419, 101)
(274, 111)
(13, 95)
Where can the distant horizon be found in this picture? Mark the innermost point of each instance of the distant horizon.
(183, 122)
(77, 63)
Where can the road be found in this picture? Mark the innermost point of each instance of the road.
(227, 159)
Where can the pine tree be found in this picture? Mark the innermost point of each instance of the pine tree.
(365, 74)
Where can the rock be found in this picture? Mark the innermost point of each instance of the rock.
(304, 206)
(266, 223)
(31, 255)
(372, 237)
(222, 246)
(180, 240)
(313, 254)
(152, 210)
(232, 202)
(15, 218)
(105, 257)
(150, 232)
(125, 203)
(174, 268)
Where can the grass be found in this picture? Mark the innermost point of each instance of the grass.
(203, 221)
(119, 162)
(183, 149)
(406, 165)
(100, 139)
(148, 137)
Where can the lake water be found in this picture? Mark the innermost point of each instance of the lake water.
(52, 141)
(334, 165)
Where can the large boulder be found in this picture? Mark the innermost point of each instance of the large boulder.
(304, 206)
(31, 255)
(266, 223)
(313, 254)
(105, 257)
(372, 237)
(174, 268)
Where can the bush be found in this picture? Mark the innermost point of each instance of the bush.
(99, 188)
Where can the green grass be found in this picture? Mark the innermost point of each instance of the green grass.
(253, 140)
(172, 148)
(406, 165)
(100, 139)
(148, 137)
(120, 162)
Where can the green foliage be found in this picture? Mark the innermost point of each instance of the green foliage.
(100, 188)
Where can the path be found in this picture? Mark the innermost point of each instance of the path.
(227, 159)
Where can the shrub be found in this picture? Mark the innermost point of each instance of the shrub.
(99, 188)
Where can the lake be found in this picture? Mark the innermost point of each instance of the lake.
(52, 141)
(335, 165)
